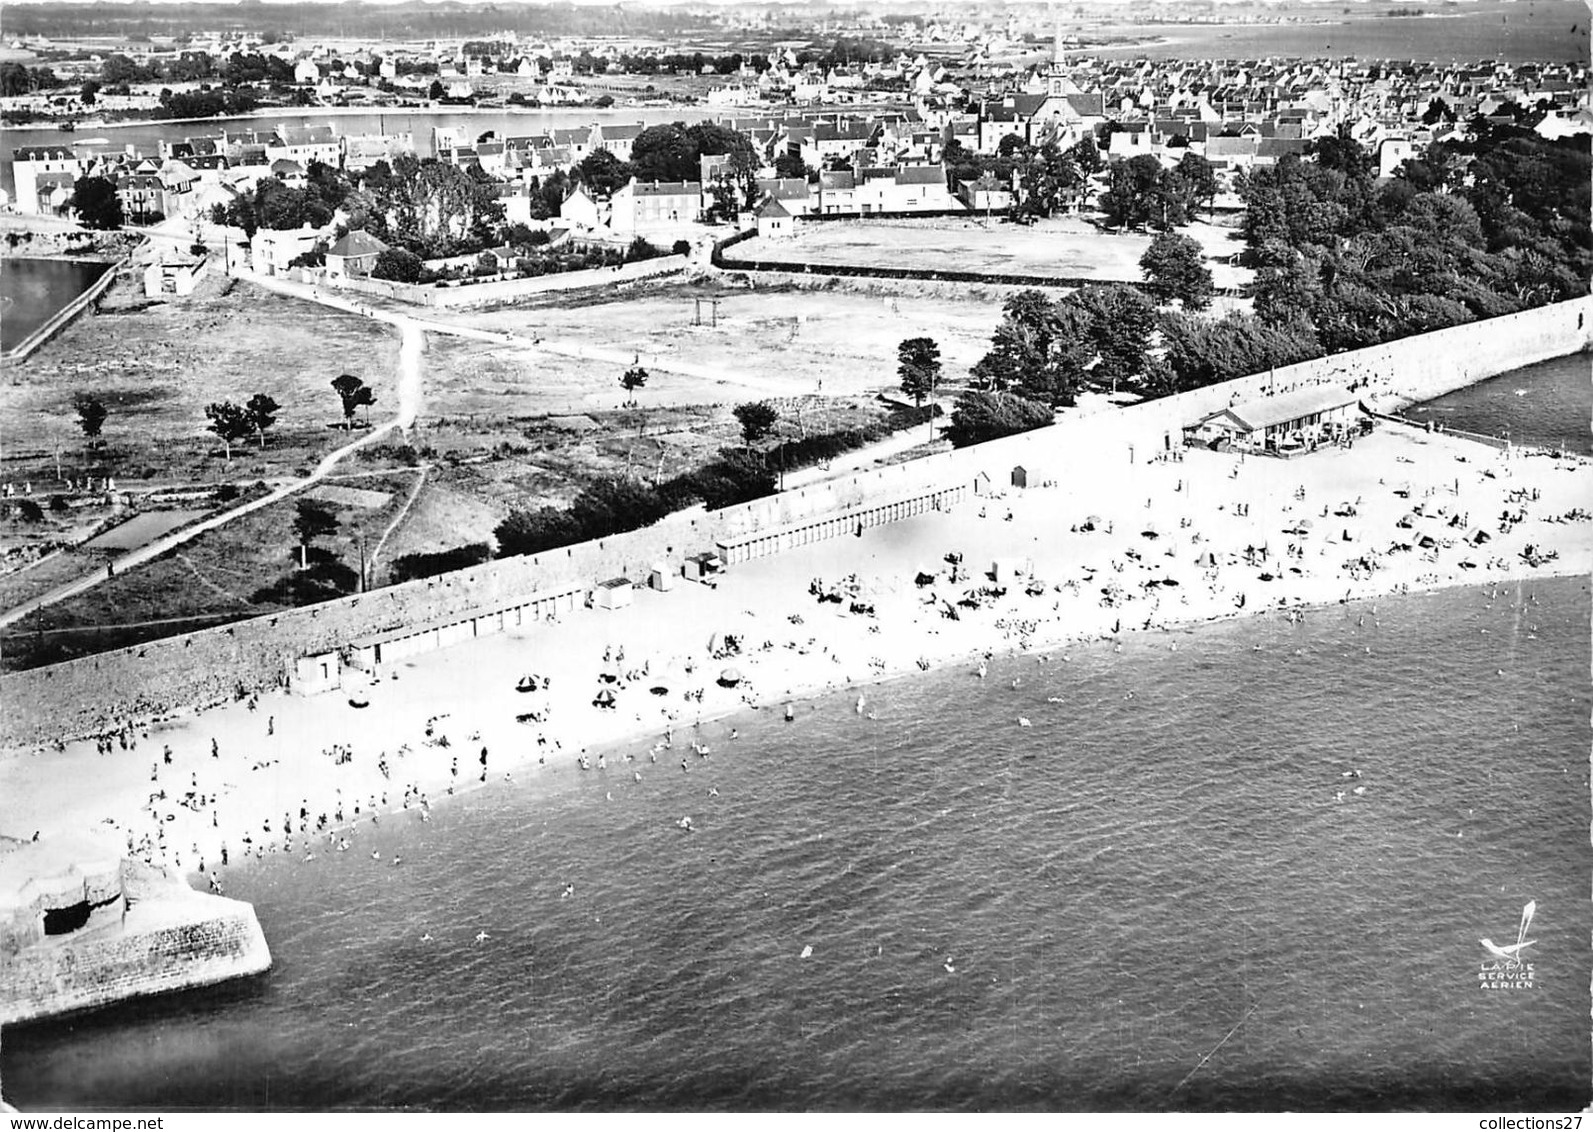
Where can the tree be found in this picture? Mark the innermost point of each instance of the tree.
(1039, 347)
(604, 173)
(398, 264)
(633, 379)
(96, 203)
(354, 393)
(1199, 177)
(90, 415)
(665, 153)
(262, 411)
(790, 165)
(435, 91)
(757, 420)
(1139, 193)
(1048, 180)
(979, 416)
(230, 422)
(918, 364)
(1177, 263)
(1120, 320)
(87, 92)
(312, 520)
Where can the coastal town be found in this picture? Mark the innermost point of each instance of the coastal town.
(526, 414)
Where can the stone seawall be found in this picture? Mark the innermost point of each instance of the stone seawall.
(218, 939)
(161, 677)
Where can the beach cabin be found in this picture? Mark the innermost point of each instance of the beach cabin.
(701, 567)
(1020, 476)
(660, 577)
(317, 673)
(616, 593)
(1286, 422)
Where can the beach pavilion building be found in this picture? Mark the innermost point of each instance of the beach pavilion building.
(1285, 422)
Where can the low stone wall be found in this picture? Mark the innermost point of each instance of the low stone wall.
(81, 696)
(221, 941)
(508, 290)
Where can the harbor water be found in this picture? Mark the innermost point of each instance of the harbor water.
(33, 290)
(1170, 891)
(1548, 405)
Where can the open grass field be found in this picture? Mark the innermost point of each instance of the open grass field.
(216, 577)
(776, 339)
(1058, 247)
(155, 366)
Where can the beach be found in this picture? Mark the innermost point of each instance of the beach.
(1188, 538)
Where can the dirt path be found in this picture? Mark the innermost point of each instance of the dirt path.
(562, 347)
(410, 399)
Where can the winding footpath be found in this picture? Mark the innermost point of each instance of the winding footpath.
(409, 403)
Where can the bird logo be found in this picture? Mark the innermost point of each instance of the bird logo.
(1512, 952)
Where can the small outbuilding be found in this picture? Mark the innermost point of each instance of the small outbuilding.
(1020, 476)
(660, 577)
(616, 593)
(317, 673)
(174, 276)
(701, 567)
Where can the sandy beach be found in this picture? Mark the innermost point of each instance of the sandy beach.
(1141, 547)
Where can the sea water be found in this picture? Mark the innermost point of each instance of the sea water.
(1164, 893)
(1549, 405)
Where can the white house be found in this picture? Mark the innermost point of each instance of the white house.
(775, 221)
(580, 209)
(272, 250)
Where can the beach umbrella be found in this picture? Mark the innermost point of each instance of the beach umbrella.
(604, 696)
(659, 690)
(1206, 559)
(1091, 522)
(1303, 525)
(1149, 531)
(608, 675)
(1427, 542)
(730, 677)
(1406, 520)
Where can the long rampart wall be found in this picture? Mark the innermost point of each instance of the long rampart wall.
(161, 677)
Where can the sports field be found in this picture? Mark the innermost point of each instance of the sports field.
(1057, 248)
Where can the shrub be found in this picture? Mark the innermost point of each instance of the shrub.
(980, 416)
(681, 247)
(407, 567)
(641, 249)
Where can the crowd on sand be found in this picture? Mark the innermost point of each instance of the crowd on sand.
(629, 693)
